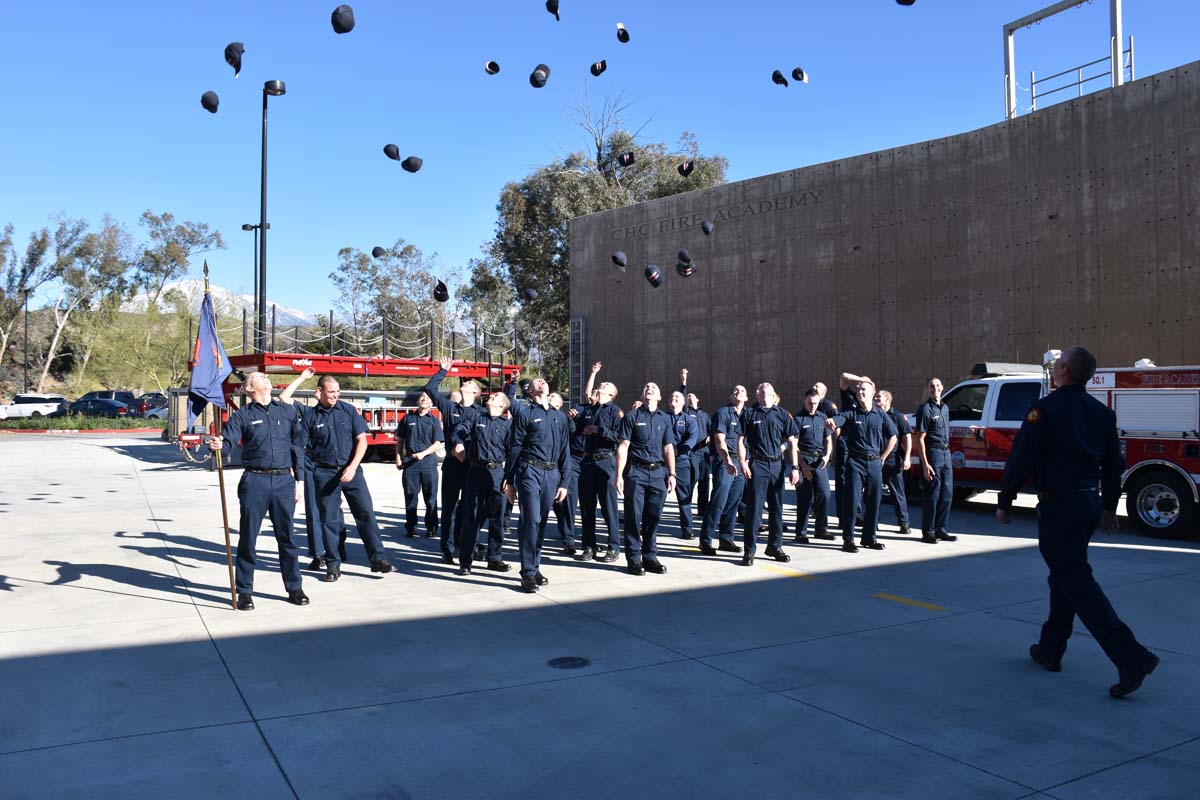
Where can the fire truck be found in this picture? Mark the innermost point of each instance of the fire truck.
(382, 410)
(1158, 420)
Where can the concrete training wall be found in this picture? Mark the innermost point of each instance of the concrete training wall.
(1074, 224)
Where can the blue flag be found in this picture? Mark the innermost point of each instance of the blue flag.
(210, 365)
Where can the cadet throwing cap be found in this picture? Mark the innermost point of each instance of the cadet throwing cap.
(552, 7)
(441, 293)
(539, 76)
(707, 227)
(599, 67)
(392, 152)
(618, 258)
(491, 67)
(685, 270)
(233, 56)
(799, 75)
(654, 276)
(342, 19)
(210, 101)
(684, 257)
(622, 33)
(626, 160)
(377, 251)
(411, 164)
(531, 295)
(686, 168)
(777, 77)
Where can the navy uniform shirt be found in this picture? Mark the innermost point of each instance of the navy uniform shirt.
(418, 432)
(607, 419)
(272, 436)
(578, 440)
(332, 432)
(647, 432)
(813, 433)
(766, 430)
(539, 433)
(1068, 443)
(729, 422)
(452, 413)
(485, 438)
(865, 433)
(703, 423)
(896, 459)
(826, 407)
(934, 421)
(685, 432)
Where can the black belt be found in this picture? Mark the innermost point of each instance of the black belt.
(326, 466)
(762, 457)
(637, 462)
(864, 456)
(268, 471)
(600, 455)
(488, 464)
(813, 453)
(939, 447)
(543, 464)
(1049, 495)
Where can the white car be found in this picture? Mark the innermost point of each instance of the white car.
(34, 405)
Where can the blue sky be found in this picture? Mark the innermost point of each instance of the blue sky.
(102, 103)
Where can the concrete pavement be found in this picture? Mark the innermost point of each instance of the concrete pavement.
(902, 673)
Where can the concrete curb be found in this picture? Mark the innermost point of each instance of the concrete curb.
(76, 430)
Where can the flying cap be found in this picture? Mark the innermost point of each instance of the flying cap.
(799, 75)
(377, 251)
(210, 101)
(684, 257)
(539, 76)
(530, 294)
(777, 77)
(342, 19)
(552, 7)
(622, 33)
(525, 383)
(618, 258)
(685, 270)
(906, 2)
(599, 67)
(707, 227)
(412, 164)
(441, 293)
(233, 56)
(654, 275)
(686, 168)
(491, 67)
(626, 160)
(392, 152)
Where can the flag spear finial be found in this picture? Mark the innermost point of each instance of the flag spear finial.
(206, 276)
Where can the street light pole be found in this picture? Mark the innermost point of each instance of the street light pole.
(270, 88)
(251, 227)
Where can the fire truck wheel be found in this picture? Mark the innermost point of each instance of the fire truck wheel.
(1160, 504)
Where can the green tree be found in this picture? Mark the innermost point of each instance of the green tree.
(532, 242)
(490, 306)
(166, 256)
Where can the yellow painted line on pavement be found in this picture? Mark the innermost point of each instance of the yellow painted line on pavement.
(788, 573)
(908, 601)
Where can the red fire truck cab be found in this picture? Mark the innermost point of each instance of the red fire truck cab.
(1158, 419)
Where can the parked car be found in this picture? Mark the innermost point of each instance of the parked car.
(98, 407)
(35, 405)
(158, 411)
(142, 406)
(120, 395)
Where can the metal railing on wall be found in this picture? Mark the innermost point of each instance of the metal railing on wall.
(1078, 79)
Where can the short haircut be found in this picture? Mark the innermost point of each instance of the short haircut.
(324, 379)
(812, 393)
(471, 382)
(504, 401)
(887, 393)
(1081, 364)
(253, 377)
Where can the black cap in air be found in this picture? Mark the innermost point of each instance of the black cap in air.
(598, 68)
(777, 77)
(377, 251)
(392, 152)
(210, 101)
(441, 293)
(654, 275)
(707, 227)
(618, 259)
(412, 164)
(342, 19)
(233, 56)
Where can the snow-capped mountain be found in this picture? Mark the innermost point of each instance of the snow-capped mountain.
(225, 303)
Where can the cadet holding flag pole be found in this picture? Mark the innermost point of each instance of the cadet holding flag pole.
(210, 368)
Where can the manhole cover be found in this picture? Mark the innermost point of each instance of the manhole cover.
(569, 662)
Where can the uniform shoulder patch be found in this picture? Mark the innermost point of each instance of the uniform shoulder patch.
(1034, 415)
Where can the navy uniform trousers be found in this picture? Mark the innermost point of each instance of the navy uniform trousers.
(483, 503)
(312, 514)
(261, 495)
(766, 484)
(938, 493)
(564, 512)
(684, 475)
(645, 494)
(454, 481)
(893, 478)
(420, 477)
(597, 486)
(863, 479)
(721, 509)
(701, 475)
(1065, 526)
(536, 486)
(812, 497)
(330, 490)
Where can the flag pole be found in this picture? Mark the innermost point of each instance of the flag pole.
(221, 483)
